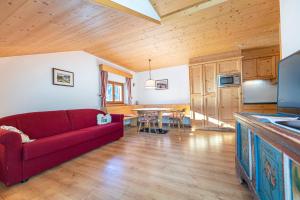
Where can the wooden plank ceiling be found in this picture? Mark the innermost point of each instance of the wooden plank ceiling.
(43, 26)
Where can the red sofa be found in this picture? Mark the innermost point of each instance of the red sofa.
(59, 136)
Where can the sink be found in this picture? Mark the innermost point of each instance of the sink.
(295, 124)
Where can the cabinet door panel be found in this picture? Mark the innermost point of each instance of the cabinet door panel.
(265, 67)
(229, 103)
(249, 69)
(230, 66)
(210, 72)
(196, 76)
(197, 110)
(243, 151)
(269, 176)
(211, 111)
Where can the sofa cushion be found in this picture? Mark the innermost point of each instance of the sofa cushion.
(44, 124)
(54, 143)
(83, 118)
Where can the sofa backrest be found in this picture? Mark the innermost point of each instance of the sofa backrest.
(83, 118)
(39, 124)
(44, 124)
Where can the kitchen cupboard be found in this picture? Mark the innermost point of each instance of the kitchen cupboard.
(260, 63)
(249, 69)
(213, 107)
(229, 66)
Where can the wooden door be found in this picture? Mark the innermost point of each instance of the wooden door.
(229, 103)
(211, 111)
(197, 110)
(209, 78)
(265, 67)
(249, 69)
(229, 66)
(196, 79)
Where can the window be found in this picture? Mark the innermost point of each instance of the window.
(115, 92)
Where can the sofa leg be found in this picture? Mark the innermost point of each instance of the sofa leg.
(24, 181)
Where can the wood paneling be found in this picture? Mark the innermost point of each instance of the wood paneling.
(128, 109)
(29, 27)
(115, 71)
(260, 108)
(178, 165)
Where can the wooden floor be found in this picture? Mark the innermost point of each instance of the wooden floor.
(180, 165)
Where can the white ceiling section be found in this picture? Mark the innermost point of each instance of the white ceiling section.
(142, 8)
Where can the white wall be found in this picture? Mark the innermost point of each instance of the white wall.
(26, 82)
(259, 91)
(178, 92)
(290, 26)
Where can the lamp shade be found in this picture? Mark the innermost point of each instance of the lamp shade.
(150, 84)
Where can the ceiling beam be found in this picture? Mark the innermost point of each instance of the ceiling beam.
(138, 8)
(203, 4)
(115, 71)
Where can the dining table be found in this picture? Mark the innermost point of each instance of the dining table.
(160, 112)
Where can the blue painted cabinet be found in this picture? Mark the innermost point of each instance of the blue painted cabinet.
(267, 161)
(295, 180)
(269, 171)
(243, 150)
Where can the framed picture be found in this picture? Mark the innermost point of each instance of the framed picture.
(63, 78)
(161, 84)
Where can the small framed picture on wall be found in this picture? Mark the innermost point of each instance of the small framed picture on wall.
(161, 84)
(63, 78)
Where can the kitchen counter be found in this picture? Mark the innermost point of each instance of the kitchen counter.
(260, 103)
(267, 155)
(282, 138)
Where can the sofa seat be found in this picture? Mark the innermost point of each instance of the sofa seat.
(56, 143)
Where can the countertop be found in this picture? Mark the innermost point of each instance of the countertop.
(260, 103)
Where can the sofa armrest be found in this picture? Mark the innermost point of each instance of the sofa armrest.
(117, 118)
(11, 144)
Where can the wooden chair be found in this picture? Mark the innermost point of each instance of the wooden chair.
(147, 120)
(177, 118)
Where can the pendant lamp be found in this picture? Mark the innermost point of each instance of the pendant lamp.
(150, 83)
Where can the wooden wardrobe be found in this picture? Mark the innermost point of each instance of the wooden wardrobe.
(213, 107)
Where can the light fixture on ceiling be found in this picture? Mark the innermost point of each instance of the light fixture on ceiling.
(150, 83)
